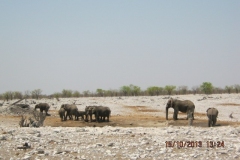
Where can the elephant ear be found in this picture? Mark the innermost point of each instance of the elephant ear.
(208, 109)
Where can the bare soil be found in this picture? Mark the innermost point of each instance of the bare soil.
(140, 116)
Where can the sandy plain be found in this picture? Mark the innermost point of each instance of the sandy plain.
(137, 130)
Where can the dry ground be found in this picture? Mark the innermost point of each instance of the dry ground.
(140, 116)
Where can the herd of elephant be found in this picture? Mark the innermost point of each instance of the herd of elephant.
(67, 111)
(101, 113)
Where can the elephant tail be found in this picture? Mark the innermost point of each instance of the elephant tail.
(210, 121)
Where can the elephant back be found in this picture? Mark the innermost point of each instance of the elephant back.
(105, 111)
(212, 112)
(185, 105)
(68, 107)
(42, 106)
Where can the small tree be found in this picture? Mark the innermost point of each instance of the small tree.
(207, 87)
(218, 90)
(125, 90)
(67, 93)
(169, 89)
(56, 95)
(110, 93)
(154, 90)
(86, 93)
(36, 93)
(135, 90)
(229, 89)
(27, 94)
(182, 89)
(8, 95)
(100, 92)
(18, 95)
(195, 89)
(76, 94)
(237, 88)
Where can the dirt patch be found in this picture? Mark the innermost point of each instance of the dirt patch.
(195, 114)
(135, 120)
(229, 104)
(142, 109)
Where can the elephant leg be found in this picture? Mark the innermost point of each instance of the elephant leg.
(103, 118)
(90, 117)
(69, 116)
(175, 114)
(214, 121)
(65, 116)
(209, 122)
(98, 117)
(41, 110)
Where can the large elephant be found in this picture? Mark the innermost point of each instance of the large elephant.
(212, 114)
(43, 107)
(89, 112)
(61, 113)
(102, 113)
(185, 106)
(71, 110)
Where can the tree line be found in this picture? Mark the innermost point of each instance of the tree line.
(127, 90)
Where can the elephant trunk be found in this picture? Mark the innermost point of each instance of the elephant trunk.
(167, 113)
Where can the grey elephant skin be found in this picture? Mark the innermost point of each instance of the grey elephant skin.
(185, 106)
(102, 113)
(43, 107)
(81, 114)
(61, 113)
(89, 112)
(71, 110)
(212, 114)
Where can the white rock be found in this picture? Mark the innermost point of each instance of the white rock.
(111, 144)
(3, 137)
(237, 148)
(27, 157)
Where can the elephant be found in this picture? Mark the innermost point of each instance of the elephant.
(61, 113)
(81, 114)
(185, 106)
(212, 114)
(71, 110)
(89, 112)
(102, 113)
(43, 107)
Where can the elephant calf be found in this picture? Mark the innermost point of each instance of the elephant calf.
(212, 114)
(61, 113)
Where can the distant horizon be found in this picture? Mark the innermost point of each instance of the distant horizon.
(94, 91)
(85, 45)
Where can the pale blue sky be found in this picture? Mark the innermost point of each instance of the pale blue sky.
(85, 45)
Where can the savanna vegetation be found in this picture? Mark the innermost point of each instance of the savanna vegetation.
(127, 90)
